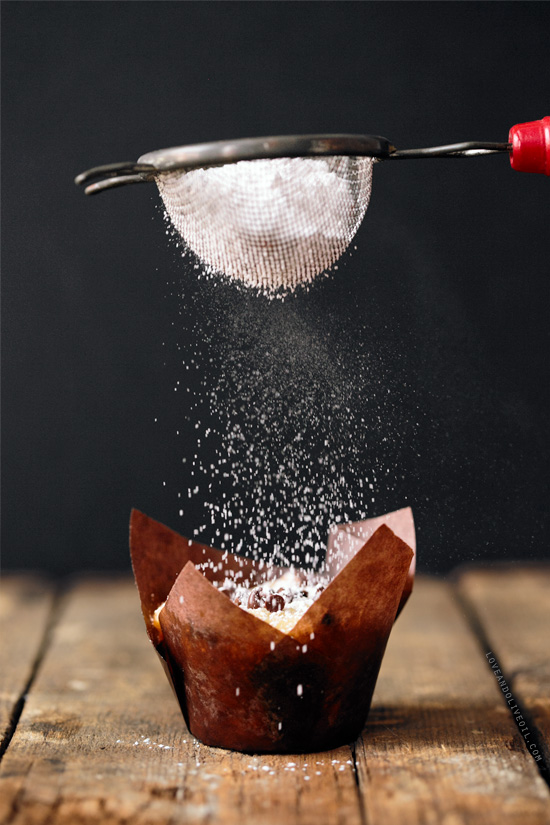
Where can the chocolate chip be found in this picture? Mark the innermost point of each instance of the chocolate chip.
(256, 598)
(274, 602)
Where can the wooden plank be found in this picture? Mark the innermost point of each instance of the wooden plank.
(513, 607)
(101, 739)
(440, 745)
(25, 605)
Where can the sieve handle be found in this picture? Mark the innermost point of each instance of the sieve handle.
(531, 146)
(466, 149)
(114, 174)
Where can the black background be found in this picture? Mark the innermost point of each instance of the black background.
(451, 271)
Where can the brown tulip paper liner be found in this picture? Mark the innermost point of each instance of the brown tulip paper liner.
(241, 683)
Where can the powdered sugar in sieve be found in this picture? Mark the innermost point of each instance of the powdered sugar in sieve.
(270, 223)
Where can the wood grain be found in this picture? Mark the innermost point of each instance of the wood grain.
(102, 739)
(440, 745)
(513, 607)
(25, 604)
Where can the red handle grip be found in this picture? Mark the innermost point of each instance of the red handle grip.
(531, 146)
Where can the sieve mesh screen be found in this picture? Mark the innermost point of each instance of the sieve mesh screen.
(270, 223)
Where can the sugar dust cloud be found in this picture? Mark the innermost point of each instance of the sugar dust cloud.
(284, 422)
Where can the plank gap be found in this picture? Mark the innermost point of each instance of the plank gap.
(474, 620)
(362, 811)
(19, 705)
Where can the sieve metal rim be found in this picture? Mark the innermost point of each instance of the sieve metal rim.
(281, 146)
(220, 152)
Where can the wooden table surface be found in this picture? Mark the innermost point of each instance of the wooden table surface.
(92, 734)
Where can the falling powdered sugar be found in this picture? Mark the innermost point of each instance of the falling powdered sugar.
(284, 425)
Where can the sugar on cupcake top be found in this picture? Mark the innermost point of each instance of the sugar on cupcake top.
(281, 602)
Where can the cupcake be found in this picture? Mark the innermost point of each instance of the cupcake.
(264, 659)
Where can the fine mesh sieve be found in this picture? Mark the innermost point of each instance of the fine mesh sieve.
(277, 211)
(271, 223)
